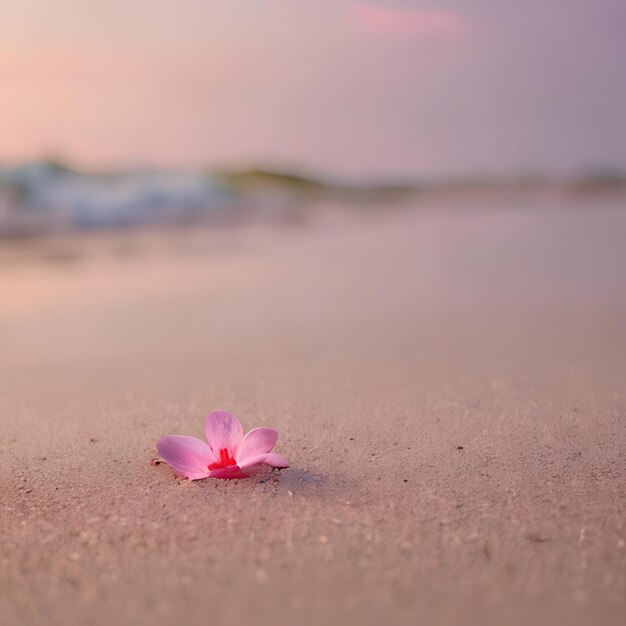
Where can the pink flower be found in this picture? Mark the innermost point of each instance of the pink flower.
(227, 455)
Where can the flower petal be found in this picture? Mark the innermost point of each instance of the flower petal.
(189, 456)
(223, 431)
(276, 460)
(270, 460)
(228, 472)
(256, 470)
(257, 441)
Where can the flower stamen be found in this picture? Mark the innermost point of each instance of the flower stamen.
(225, 460)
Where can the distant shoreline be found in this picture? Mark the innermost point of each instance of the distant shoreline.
(44, 198)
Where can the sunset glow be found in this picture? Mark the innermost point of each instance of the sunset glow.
(410, 21)
(341, 86)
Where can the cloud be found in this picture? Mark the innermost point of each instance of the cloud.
(408, 21)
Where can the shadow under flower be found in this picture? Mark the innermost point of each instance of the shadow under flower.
(293, 477)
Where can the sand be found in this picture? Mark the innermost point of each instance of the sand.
(449, 384)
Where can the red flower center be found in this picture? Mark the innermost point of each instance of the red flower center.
(225, 460)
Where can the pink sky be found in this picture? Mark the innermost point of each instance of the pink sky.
(386, 87)
(409, 21)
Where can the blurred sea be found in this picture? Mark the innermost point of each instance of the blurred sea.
(48, 198)
(45, 197)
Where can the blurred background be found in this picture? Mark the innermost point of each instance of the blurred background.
(113, 114)
(393, 229)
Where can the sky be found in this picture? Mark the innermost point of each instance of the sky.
(349, 87)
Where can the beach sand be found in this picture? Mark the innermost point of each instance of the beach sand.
(449, 384)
